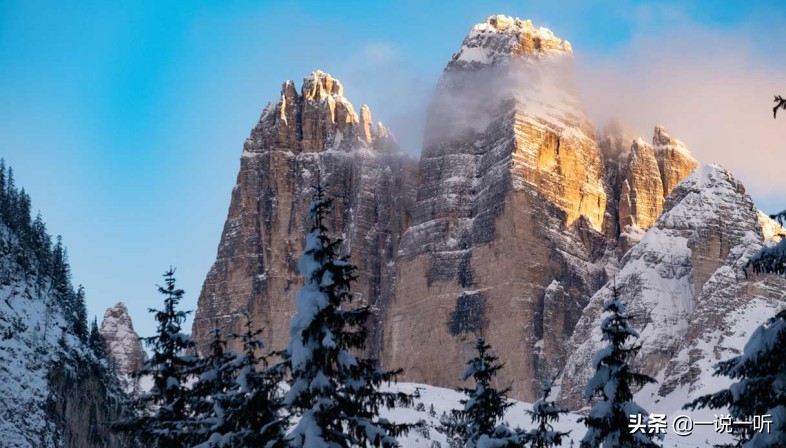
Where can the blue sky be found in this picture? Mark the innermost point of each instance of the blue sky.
(125, 120)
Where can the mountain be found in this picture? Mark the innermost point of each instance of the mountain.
(522, 210)
(55, 391)
(684, 284)
(306, 136)
(123, 347)
(511, 224)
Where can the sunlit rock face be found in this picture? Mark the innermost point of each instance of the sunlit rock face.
(506, 237)
(686, 290)
(514, 216)
(646, 176)
(314, 132)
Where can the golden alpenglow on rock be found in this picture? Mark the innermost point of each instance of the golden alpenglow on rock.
(371, 179)
(512, 218)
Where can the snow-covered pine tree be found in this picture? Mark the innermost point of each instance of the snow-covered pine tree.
(479, 423)
(210, 396)
(613, 386)
(335, 393)
(255, 408)
(543, 413)
(163, 413)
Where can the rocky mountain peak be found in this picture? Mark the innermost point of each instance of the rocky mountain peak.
(685, 285)
(501, 38)
(318, 119)
(663, 138)
(319, 85)
(123, 347)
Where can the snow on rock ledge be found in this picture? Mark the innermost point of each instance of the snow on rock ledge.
(685, 287)
(501, 38)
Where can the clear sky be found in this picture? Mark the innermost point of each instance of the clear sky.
(125, 120)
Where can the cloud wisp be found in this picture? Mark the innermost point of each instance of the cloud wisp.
(713, 91)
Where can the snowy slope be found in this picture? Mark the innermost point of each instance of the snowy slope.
(685, 287)
(443, 400)
(28, 347)
(53, 390)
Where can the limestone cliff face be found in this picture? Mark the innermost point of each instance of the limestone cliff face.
(315, 131)
(507, 226)
(642, 178)
(123, 347)
(511, 220)
(684, 285)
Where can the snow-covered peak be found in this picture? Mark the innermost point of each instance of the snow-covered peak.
(123, 347)
(501, 38)
(707, 191)
(685, 286)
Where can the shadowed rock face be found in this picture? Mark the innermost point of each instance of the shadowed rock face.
(516, 214)
(373, 186)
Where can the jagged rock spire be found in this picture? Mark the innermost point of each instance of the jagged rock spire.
(318, 119)
(123, 347)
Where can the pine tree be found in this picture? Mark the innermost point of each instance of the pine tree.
(10, 197)
(478, 424)
(61, 277)
(42, 245)
(3, 194)
(759, 389)
(543, 413)
(96, 340)
(210, 396)
(80, 314)
(163, 416)
(613, 383)
(335, 394)
(256, 409)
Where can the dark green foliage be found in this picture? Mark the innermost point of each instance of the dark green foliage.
(36, 254)
(210, 396)
(543, 413)
(336, 394)
(163, 416)
(96, 341)
(479, 423)
(255, 411)
(80, 314)
(613, 385)
(235, 402)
